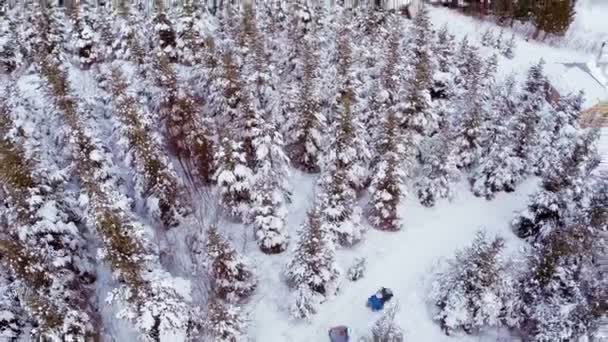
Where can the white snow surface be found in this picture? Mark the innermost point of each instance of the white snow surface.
(404, 260)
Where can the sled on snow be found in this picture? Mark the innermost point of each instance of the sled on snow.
(339, 334)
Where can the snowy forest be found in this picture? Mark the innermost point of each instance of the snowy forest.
(160, 170)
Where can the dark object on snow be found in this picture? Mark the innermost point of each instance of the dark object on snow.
(338, 334)
(376, 302)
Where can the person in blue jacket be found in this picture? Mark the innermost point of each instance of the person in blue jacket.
(376, 301)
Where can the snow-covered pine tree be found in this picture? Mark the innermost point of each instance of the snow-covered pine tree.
(224, 322)
(445, 49)
(42, 250)
(190, 33)
(305, 302)
(386, 189)
(42, 31)
(560, 130)
(499, 41)
(475, 291)
(270, 164)
(83, 42)
(562, 193)
(154, 301)
(533, 111)
(487, 39)
(156, 180)
(12, 317)
(306, 131)
(386, 328)
(473, 109)
(164, 38)
(357, 270)
(348, 135)
(188, 131)
(11, 56)
(465, 54)
(563, 293)
(129, 34)
(234, 178)
(418, 113)
(235, 107)
(499, 168)
(270, 190)
(337, 199)
(230, 274)
(438, 169)
(312, 270)
(508, 49)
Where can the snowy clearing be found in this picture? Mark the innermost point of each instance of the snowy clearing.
(400, 261)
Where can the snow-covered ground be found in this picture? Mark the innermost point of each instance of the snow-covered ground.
(404, 260)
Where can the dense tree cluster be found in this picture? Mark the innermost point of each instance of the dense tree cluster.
(551, 17)
(128, 135)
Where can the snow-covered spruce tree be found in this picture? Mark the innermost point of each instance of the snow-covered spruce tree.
(270, 165)
(312, 270)
(533, 111)
(348, 144)
(42, 31)
(155, 302)
(224, 322)
(499, 41)
(306, 132)
(499, 167)
(164, 37)
(12, 317)
(235, 109)
(337, 199)
(128, 31)
(438, 168)
(487, 39)
(508, 49)
(11, 56)
(386, 328)
(562, 193)
(443, 90)
(156, 180)
(188, 132)
(305, 302)
(357, 270)
(230, 275)
(474, 292)
(234, 179)
(563, 293)
(461, 58)
(560, 130)
(270, 190)
(445, 49)
(83, 42)
(473, 109)
(386, 189)
(41, 249)
(190, 33)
